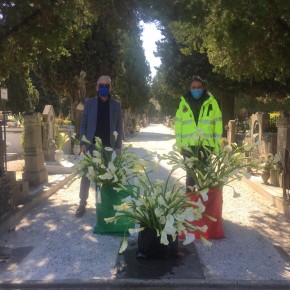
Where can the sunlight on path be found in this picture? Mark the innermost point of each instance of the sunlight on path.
(157, 139)
(153, 138)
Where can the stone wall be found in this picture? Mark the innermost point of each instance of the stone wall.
(14, 139)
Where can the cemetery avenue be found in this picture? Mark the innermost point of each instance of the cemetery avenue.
(61, 248)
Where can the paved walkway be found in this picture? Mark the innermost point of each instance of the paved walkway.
(63, 248)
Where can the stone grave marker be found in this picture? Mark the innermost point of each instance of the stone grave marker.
(35, 171)
(231, 131)
(259, 123)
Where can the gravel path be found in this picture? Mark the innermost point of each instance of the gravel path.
(64, 247)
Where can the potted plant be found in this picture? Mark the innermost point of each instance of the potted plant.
(128, 196)
(18, 120)
(163, 211)
(271, 165)
(111, 178)
(62, 138)
(210, 172)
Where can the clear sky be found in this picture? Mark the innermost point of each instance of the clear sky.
(149, 36)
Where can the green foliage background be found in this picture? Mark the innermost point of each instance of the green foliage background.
(240, 47)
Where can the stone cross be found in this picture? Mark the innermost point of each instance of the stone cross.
(31, 107)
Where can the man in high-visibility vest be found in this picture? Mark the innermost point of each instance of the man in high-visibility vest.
(198, 120)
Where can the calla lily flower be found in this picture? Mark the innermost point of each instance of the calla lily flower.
(124, 246)
(189, 238)
(164, 239)
(136, 230)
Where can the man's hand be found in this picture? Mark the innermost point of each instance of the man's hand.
(83, 149)
(118, 151)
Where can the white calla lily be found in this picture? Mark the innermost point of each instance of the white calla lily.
(124, 246)
(200, 205)
(136, 230)
(163, 239)
(109, 149)
(161, 201)
(121, 207)
(189, 238)
(203, 228)
(107, 175)
(204, 195)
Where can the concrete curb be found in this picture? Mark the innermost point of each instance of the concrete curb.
(40, 195)
(148, 284)
(277, 201)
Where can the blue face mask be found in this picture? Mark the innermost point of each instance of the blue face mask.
(196, 93)
(104, 91)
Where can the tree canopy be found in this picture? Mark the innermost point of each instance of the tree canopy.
(240, 47)
(35, 29)
(56, 40)
(243, 40)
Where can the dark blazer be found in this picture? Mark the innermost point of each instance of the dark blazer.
(89, 121)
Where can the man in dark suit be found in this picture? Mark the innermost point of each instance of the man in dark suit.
(101, 117)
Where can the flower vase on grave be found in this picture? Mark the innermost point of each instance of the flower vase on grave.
(58, 156)
(265, 175)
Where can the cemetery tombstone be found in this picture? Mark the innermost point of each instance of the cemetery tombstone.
(35, 171)
(231, 131)
(259, 123)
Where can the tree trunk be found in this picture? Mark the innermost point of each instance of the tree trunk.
(228, 110)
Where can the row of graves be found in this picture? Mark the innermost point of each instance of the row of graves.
(271, 144)
(37, 150)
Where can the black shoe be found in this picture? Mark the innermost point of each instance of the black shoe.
(80, 211)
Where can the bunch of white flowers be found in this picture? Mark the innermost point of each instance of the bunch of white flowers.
(161, 206)
(100, 168)
(213, 170)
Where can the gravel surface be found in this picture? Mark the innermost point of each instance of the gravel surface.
(64, 247)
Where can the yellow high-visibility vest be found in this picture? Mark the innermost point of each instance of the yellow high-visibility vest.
(208, 130)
